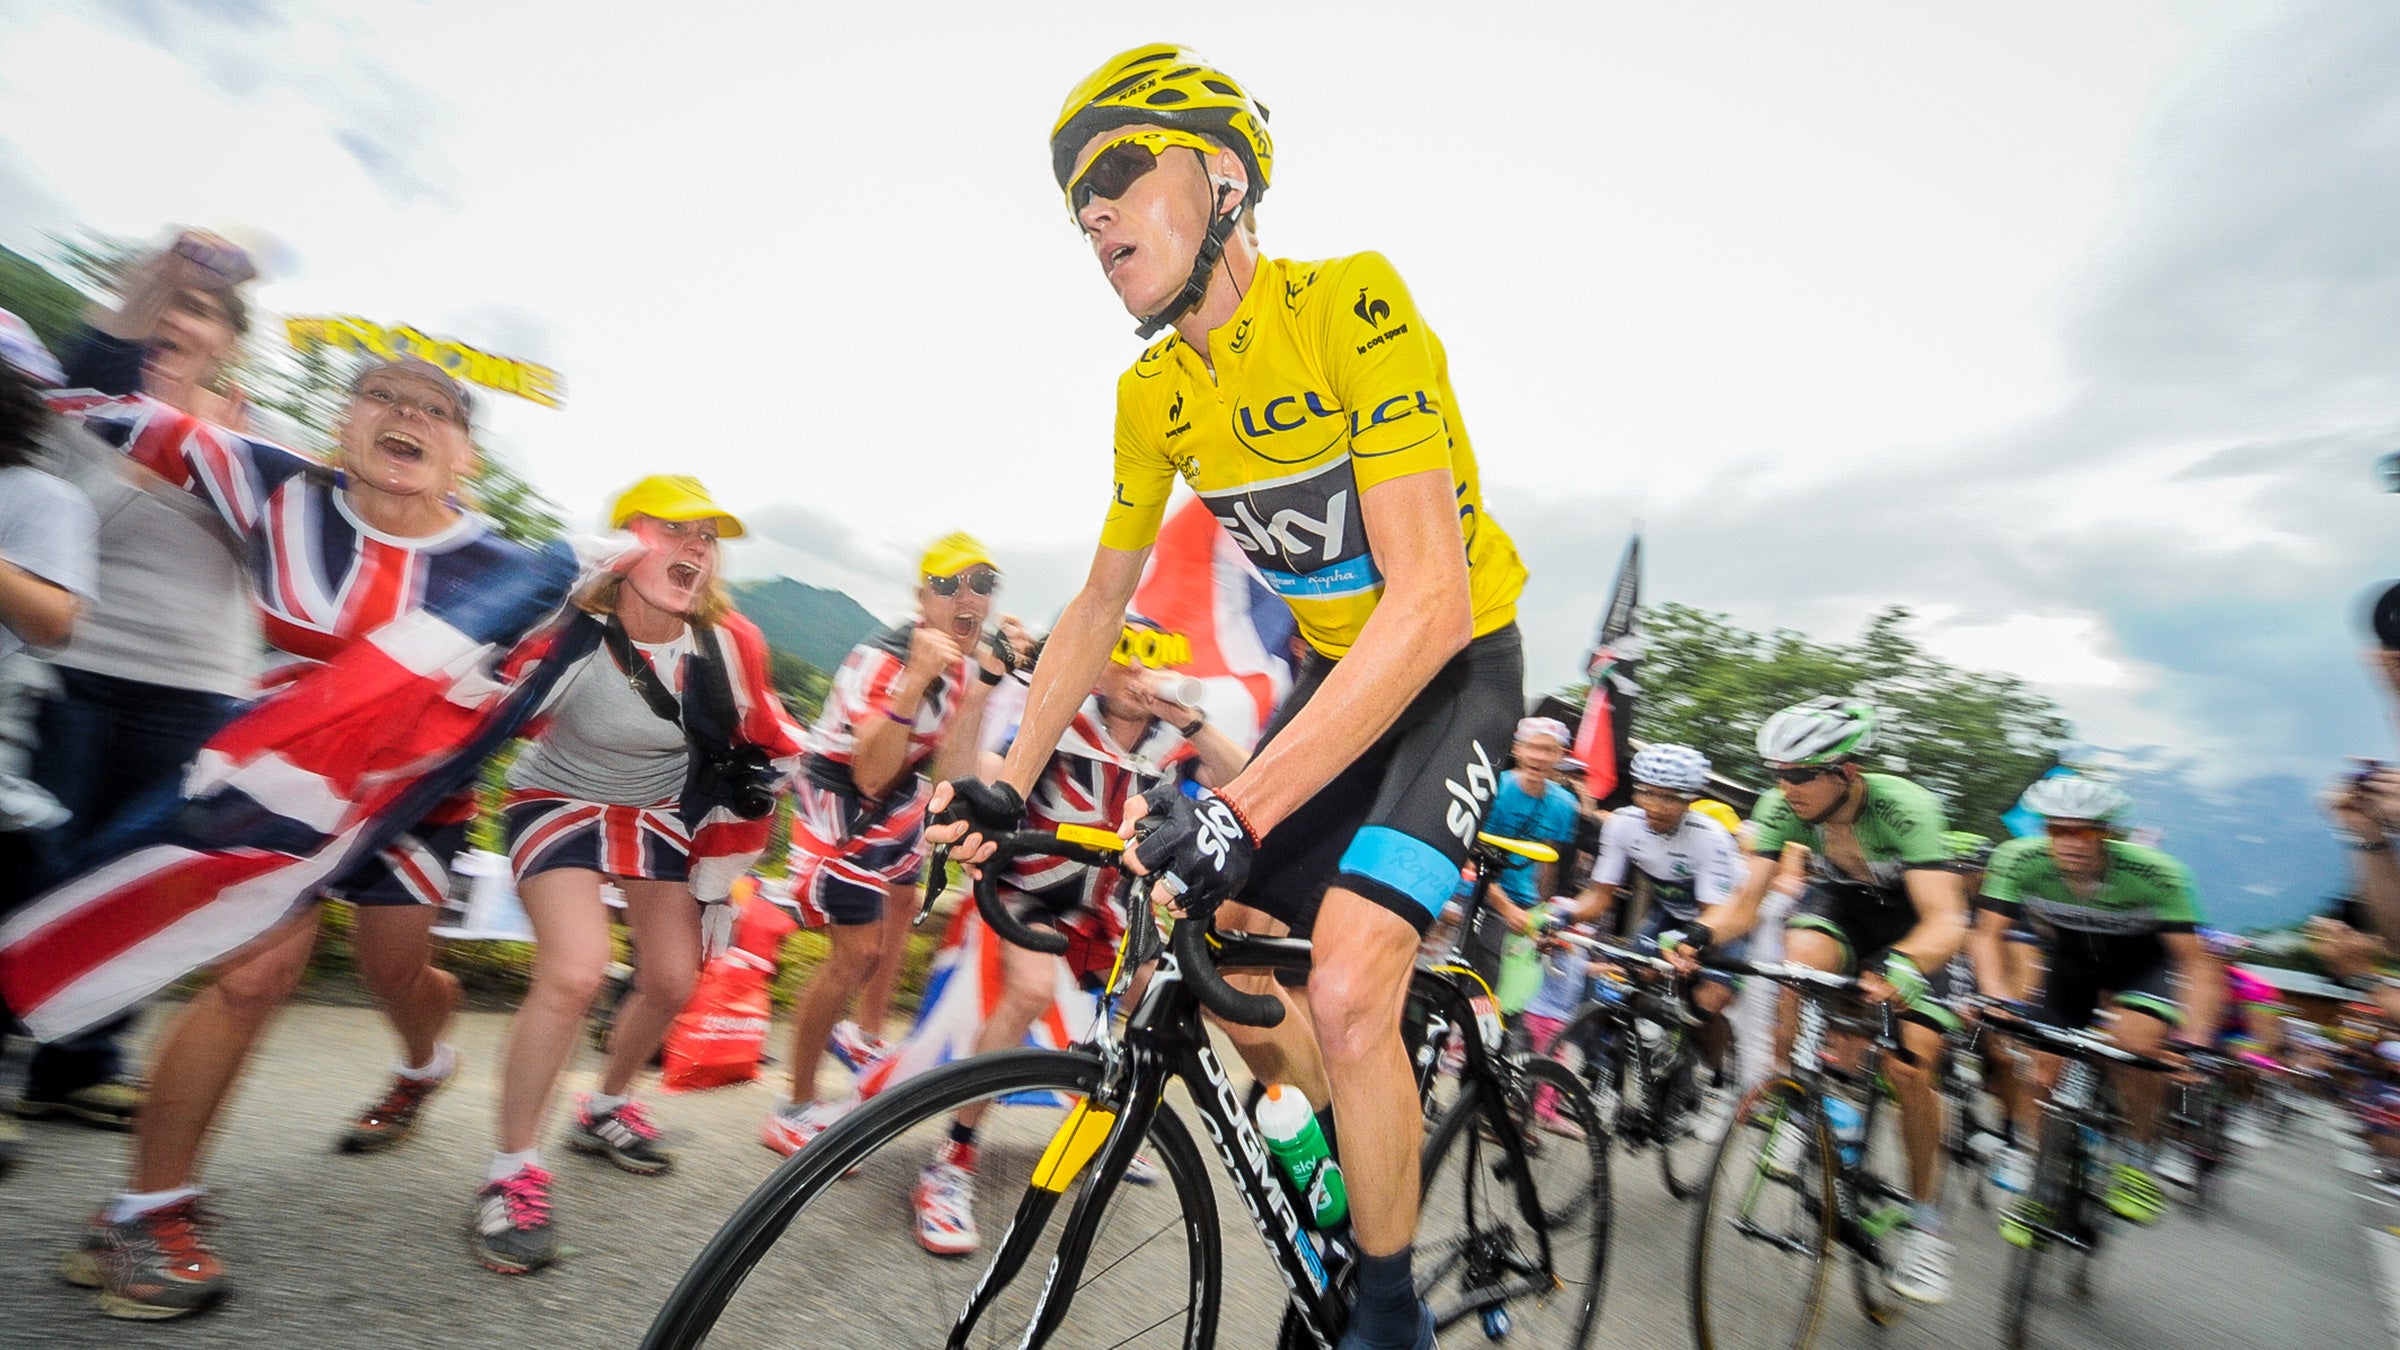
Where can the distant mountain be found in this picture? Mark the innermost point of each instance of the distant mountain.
(818, 626)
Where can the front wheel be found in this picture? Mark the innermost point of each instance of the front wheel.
(784, 1269)
(1763, 1238)
(2046, 1215)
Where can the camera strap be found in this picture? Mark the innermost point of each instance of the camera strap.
(639, 672)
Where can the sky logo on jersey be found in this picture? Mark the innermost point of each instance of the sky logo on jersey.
(1302, 532)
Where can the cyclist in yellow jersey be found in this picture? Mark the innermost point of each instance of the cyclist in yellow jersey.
(1309, 405)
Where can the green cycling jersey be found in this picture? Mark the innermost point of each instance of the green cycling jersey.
(2142, 891)
(1899, 828)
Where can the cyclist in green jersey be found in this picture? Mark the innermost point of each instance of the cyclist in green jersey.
(1885, 901)
(2119, 924)
(1308, 405)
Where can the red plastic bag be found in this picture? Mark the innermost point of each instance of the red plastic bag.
(720, 1035)
(762, 926)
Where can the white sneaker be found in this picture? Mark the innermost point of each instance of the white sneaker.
(788, 1131)
(1984, 1145)
(2176, 1167)
(2012, 1170)
(1141, 1171)
(945, 1202)
(855, 1048)
(1920, 1267)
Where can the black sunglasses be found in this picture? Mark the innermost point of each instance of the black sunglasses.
(1804, 774)
(1111, 173)
(982, 581)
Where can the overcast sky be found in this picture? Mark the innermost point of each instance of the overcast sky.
(2075, 327)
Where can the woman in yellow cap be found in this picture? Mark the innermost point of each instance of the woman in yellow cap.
(901, 698)
(635, 773)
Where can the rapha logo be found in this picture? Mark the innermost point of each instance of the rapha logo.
(1371, 312)
(1467, 800)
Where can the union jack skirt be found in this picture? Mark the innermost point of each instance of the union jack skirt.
(846, 851)
(548, 831)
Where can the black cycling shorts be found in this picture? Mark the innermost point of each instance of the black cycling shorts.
(1396, 825)
(2074, 992)
(1866, 920)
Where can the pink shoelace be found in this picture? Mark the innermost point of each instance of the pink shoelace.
(527, 1195)
(637, 1120)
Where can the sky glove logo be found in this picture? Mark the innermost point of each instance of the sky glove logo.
(1218, 830)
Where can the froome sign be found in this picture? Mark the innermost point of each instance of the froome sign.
(539, 384)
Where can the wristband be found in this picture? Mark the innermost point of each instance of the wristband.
(1239, 818)
(988, 676)
(909, 722)
(1906, 980)
(1193, 730)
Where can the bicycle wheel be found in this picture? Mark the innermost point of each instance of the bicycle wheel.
(1587, 1049)
(1479, 1247)
(1675, 1123)
(1763, 1239)
(2047, 1210)
(779, 1271)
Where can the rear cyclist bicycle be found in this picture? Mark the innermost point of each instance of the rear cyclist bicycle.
(1883, 901)
(1309, 405)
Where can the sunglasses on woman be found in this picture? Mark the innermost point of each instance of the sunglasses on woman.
(1125, 161)
(981, 580)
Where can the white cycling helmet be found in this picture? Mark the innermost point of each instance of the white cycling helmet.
(1824, 730)
(2071, 797)
(1677, 768)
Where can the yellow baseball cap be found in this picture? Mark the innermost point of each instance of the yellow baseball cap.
(954, 553)
(672, 496)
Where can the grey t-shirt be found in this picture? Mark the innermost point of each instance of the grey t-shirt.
(173, 605)
(603, 743)
(47, 528)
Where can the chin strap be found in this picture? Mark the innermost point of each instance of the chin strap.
(1212, 249)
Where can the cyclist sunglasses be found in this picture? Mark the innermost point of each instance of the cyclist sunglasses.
(2058, 829)
(1125, 161)
(981, 580)
(1807, 773)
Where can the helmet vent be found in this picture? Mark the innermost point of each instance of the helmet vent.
(1220, 87)
(1166, 98)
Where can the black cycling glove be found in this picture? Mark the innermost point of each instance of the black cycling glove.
(987, 808)
(1196, 844)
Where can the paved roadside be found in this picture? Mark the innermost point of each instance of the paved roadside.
(330, 1250)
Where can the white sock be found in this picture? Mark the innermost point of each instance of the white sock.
(445, 1058)
(506, 1165)
(131, 1203)
(790, 1110)
(600, 1103)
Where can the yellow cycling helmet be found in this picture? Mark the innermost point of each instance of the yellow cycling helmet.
(1164, 84)
(1721, 813)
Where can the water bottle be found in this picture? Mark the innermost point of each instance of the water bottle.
(1849, 1128)
(1292, 1135)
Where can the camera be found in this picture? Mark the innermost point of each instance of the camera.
(743, 777)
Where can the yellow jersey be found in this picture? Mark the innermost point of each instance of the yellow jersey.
(1327, 383)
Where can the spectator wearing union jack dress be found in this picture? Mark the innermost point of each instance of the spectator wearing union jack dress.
(374, 548)
(1129, 738)
(605, 791)
(911, 694)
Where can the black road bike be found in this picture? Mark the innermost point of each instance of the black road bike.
(1510, 1234)
(1637, 1052)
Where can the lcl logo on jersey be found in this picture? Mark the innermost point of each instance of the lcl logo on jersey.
(1316, 417)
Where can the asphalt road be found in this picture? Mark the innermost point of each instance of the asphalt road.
(326, 1249)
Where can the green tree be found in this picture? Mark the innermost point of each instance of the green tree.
(801, 686)
(48, 305)
(1974, 737)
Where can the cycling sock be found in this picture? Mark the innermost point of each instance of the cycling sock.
(506, 1165)
(445, 1058)
(600, 1103)
(962, 1134)
(1925, 1218)
(1385, 1312)
(131, 1203)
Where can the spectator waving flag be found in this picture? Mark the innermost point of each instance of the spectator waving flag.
(1604, 742)
(1199, 586)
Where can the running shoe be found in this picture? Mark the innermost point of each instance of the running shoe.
(391, 1119)
(110, 1106)
(787, 1131)
(623, 1135)
(1562, 1126)
(1141, 1171)
(2177, 1167)
(2012, 1170)
(154, 1266)
(855, 1048)
(1920, 1268)
(509, 1223)
(1716, 1113)
(2133, 1195)
(944, 1201)
(2017, 1223)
